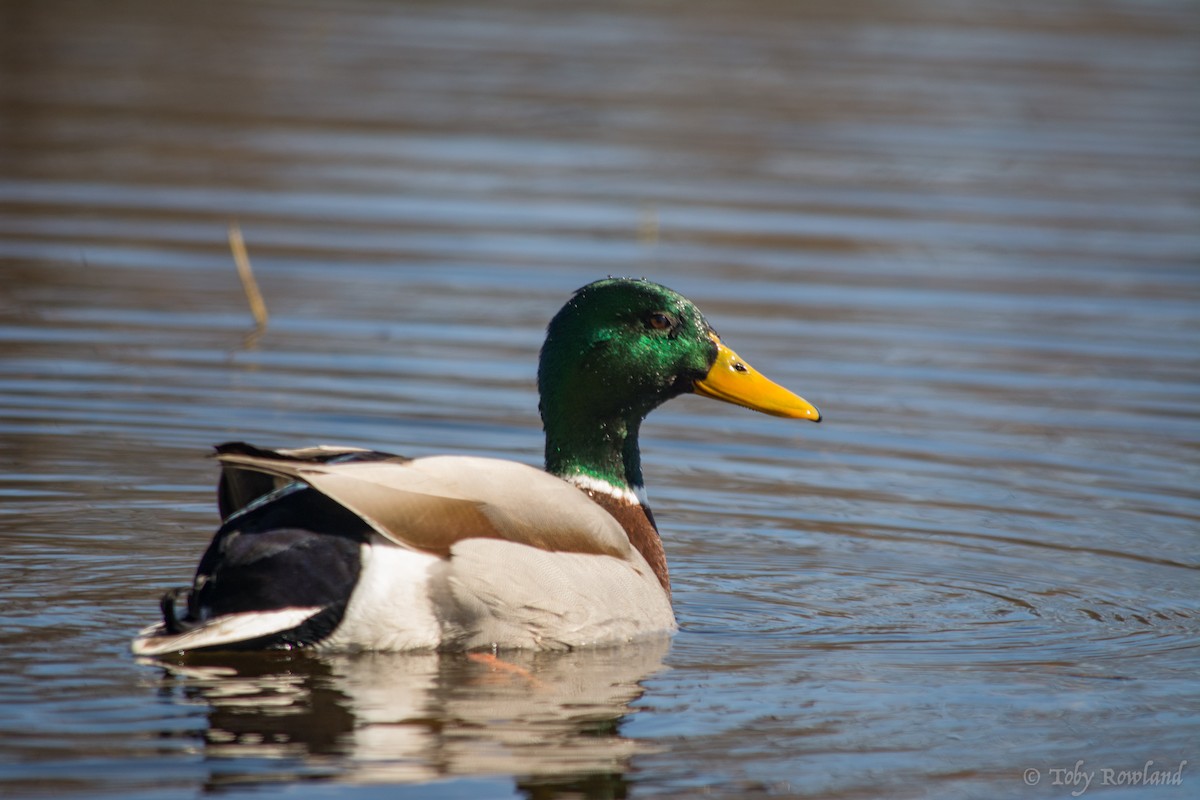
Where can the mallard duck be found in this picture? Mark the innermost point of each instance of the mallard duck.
(343, 548)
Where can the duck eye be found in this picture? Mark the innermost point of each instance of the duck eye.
(660, 321)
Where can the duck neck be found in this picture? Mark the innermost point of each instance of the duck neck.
(604, 451)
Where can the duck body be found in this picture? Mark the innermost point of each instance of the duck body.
(349, 549)
(343, 548)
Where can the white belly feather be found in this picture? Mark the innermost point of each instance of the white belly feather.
(495, 592)
(390, 608)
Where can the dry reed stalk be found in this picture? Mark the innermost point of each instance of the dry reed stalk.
(253, 296)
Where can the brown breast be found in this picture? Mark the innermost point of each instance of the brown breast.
(638, 522)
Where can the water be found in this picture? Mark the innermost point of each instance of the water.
(967, 231)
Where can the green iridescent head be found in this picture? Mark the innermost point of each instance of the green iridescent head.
(619, 348)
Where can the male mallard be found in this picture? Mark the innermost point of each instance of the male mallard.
(349, 548)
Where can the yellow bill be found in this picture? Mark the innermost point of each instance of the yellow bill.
(734, 381)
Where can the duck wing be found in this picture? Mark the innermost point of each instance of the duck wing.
(431, 504)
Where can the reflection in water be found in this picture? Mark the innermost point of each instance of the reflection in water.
(406, 718)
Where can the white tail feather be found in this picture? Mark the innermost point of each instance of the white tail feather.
(227, 629)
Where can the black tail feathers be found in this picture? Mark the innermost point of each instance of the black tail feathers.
(171, 620)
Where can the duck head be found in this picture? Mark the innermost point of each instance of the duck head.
(617, 350)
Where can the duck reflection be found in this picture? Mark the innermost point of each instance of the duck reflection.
(544, 718)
